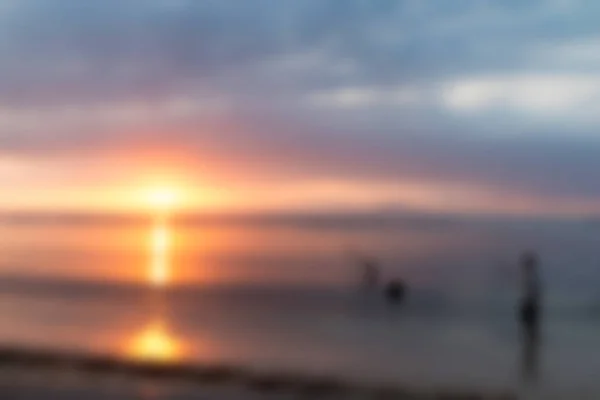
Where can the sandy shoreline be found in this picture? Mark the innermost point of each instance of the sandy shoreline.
(37, 373)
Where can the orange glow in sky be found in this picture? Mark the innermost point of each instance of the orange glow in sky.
(154, 343)
(139, 181)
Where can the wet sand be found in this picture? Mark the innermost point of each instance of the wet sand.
(37, 374)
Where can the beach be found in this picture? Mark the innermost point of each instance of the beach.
(299, 199)
(66, 384)
(38, 374)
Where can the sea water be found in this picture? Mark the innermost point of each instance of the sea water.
(287, 295)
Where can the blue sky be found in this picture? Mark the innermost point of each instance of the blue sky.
(455, 105)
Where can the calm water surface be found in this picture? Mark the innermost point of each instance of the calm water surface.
(286, 295)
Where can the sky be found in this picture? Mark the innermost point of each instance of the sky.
(462, 106)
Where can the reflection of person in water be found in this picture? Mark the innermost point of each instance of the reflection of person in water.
(530, 314)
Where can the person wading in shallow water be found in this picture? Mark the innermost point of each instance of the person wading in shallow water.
(530, 313)
(370, 273)
(395, 291)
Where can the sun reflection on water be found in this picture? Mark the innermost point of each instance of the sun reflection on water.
(155, 343)
(160, 265)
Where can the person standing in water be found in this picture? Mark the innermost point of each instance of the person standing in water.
(530, 313)
(395, 291)
(370, 273)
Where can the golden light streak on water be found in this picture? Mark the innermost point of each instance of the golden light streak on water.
(154, 343)
(160, 273)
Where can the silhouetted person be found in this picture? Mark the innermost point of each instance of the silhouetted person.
(530, 314)
(395, 291)
(370, 273)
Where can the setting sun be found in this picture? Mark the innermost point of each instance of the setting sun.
(163, 198)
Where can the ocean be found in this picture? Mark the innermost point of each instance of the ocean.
(286, 294)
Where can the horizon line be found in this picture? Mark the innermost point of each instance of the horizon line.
(283, 215)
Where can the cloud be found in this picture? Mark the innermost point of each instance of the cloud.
(353, 97)
(550, 96)
(579, 53)
(50, 119)
(487, 99)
